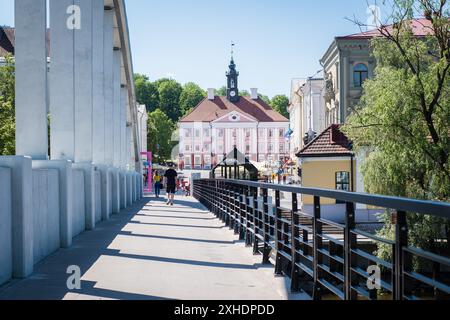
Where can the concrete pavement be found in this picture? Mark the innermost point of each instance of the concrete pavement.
(153, 251)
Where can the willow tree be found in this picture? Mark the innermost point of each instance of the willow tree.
(403, 117)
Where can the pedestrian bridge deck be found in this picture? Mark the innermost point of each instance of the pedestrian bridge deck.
(152, 251)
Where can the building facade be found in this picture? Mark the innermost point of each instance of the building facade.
(218, 124)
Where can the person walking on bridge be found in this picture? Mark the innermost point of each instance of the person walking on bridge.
(171, 185)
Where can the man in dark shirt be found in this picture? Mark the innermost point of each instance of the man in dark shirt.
(171, 184)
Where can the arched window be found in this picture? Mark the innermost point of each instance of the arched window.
(360, 74)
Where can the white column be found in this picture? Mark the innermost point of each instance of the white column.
(98, 99)
(117, 61)
(31, 78)
(123, 127)
(108, 85)
(62, 91)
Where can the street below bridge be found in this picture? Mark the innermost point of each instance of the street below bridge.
(152, 251)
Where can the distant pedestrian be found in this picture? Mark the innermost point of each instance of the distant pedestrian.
(170, 178)
(157, 179)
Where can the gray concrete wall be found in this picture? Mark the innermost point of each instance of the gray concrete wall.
(79, 210)
(98, 196)
(5, 226)
(46, 221)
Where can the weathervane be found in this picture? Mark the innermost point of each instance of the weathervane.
(232, 50)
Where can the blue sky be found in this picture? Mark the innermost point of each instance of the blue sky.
(276, 40)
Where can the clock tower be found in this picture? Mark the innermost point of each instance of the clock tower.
(232, 83)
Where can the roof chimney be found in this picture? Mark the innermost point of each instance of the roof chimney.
(211, 93)
(254, 93)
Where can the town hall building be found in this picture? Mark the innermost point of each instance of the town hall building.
(220, 123)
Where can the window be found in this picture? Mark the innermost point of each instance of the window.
(197, 133)
(247, 148)
(261, 158)
(206, 133)
(360, 74)
(187, 148)
(187, 161)
(197, 148)
(270, 133)
(234, 133)
(261, 133)
(187, 133)
(270, 150)
(248, 133)
(343, 181)
(281, 133)
(220, 133)
(281, 147)
(206, 147)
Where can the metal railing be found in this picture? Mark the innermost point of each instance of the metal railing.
(328, 259)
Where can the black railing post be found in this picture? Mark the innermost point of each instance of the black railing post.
(350, 243)
(255, 227)
(278, 235)
(266, 232)
(401, 241)
(295, 244)
(248, 214)
(317, 231)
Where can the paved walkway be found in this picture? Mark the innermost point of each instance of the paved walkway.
(153, 251)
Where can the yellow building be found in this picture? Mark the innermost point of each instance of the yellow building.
(328, 162)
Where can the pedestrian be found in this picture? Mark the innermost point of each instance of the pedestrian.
(170, 178)
(157, 179)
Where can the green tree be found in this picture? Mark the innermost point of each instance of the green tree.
(264, 98)
(222, 91)
(403, 118)
(146, 92)
(191, 96)
(160, 129)
(280, 103)
(169, 98)
(7, 107)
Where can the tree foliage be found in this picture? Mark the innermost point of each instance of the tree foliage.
(7, 107)
(403, 118)
(146, 92)
(280, 103)
(160, 129)
(190, 97)
(169, 98)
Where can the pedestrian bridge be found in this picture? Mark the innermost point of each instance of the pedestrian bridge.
(152, 251)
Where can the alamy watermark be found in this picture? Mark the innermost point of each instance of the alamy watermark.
(74, 20)
(74, 280)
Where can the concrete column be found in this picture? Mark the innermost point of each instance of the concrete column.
(98, 99)
(5, 225)
(64, 168)
(128, 147)
(22, 214)
(129, 189)
(117, 114)
(115, 190)
(31, 78)
(108, 45)
(105, 192)
(123, 127)
(62, 90)
(123, 190)
(83, 88)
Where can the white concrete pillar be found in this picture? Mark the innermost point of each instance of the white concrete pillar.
(22, 214)
(98, 99)
(83, 88)
(117, 114)
(115, 190)
(61, 86)
(123, 127)
(108, 46)
(123, 190)
(129, 188)
(64, 168)
(31, 78)
(105, 192)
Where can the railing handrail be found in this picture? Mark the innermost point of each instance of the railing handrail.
(440, 209)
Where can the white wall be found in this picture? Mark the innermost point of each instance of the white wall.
(46, 225)
(5, 226)
(78, 218)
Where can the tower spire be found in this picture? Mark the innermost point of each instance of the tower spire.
(232, 50)
(232, 79)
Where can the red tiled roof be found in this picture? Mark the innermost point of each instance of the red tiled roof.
(6, 41)
(212, 110)
(331, 142)
(420, 28)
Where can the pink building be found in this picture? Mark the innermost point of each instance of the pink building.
(218, 124)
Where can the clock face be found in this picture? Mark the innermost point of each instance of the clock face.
(233, 93)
